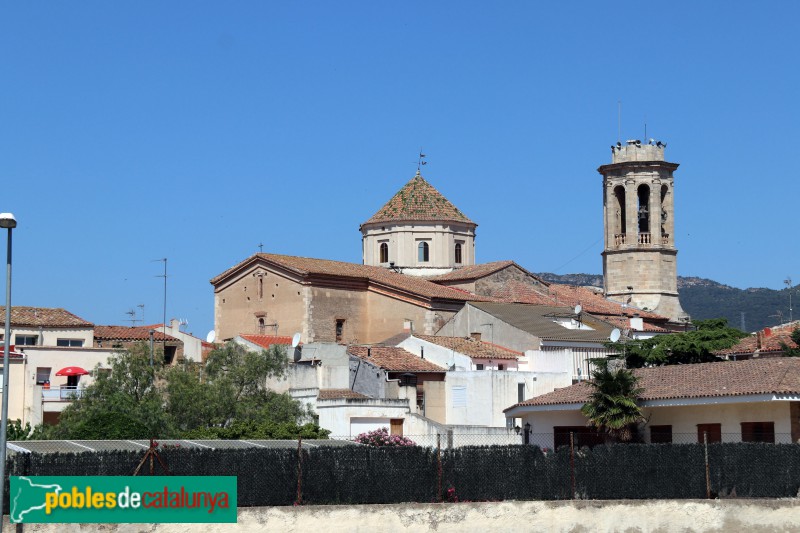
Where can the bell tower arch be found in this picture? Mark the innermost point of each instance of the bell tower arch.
(639, 256)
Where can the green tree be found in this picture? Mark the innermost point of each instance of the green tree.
(123, 403)
(612, 407)
(788, 350)
(231, 387)
(228, 393)
(697, 346)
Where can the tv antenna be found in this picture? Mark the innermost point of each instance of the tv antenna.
(788, 282)
(132, 314)
(164, 317)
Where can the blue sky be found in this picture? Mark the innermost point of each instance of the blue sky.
(132, 131)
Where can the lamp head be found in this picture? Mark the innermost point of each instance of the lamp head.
(7, 220)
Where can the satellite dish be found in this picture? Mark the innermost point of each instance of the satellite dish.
(212, 336)
(295, 340)
(615, 334)
(578, 309)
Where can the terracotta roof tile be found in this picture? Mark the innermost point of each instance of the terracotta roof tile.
(42, 316)
(471, 272)
(418, 200)
(779, 375)
(335, 394)
(770, 343)
(129, 333)
(394, 359)
(472, 348)
(375, 276)
(265, 341)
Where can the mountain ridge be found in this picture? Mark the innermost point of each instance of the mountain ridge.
(705, 298)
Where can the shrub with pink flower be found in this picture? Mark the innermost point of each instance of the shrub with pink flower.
(381, 437)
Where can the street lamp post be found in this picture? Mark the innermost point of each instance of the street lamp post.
(7, 221)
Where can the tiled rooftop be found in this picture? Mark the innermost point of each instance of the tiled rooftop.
(418, 200)
(471, 272)
(780, 375)
(771, 341)
(46, 317)
(335, 394)
(472, 348)
(129, 333)
(393, 359)
(265, 341)
(378, 276)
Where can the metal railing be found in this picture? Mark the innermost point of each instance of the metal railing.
(63, 394)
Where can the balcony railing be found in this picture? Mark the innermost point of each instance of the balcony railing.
(644, 238)
(619, 239)
(63, 394)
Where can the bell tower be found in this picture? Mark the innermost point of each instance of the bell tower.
(639, 258)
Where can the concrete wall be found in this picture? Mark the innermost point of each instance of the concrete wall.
(488, 392)
(50, 336)
(329, 371)
(347, 417)
(665, 516)
(192, 346)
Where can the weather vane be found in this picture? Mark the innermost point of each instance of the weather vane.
(421, 161)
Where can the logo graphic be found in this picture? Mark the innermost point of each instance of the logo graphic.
(122, 499)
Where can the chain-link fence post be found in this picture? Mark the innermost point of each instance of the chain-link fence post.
(572, 464)
(299, 499)
(708, 469)
(439, 466)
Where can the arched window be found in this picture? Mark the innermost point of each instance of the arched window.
(423, 252)
(261, 326)
(384, 253)
(644, 208)
(458, 253)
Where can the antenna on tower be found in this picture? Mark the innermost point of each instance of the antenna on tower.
(619, 121)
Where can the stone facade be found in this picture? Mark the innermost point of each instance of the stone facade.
(639, 257)
(260, 297)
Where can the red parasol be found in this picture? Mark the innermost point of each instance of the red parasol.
(72, 371)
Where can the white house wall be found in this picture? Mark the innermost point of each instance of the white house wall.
(438, 355)
(683, 419)
(25, 401)
(488, 392)
(50, 336)
(344, 416)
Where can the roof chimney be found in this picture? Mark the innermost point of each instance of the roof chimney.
(767, 332)
(759, 340)
(475, 335)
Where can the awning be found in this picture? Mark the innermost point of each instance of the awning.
(72, 371)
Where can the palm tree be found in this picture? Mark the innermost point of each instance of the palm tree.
(612, 406)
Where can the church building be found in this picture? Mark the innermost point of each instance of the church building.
(419, 232)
